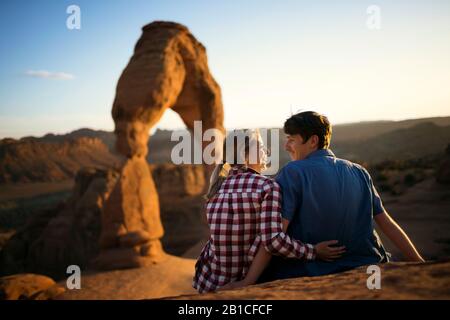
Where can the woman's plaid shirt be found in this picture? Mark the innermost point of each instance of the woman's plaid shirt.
(244, 212)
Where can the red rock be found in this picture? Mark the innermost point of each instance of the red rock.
(28, 287)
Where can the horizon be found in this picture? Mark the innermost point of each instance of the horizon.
(156, 128)
(291, 54)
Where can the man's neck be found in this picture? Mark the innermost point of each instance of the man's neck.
(310, 153)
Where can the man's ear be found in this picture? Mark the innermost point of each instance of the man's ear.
(314, 141)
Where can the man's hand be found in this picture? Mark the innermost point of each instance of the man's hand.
(325, 252)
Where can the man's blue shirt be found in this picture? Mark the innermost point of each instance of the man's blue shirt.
(327, 198)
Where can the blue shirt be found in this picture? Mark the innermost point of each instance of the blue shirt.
(327, 198)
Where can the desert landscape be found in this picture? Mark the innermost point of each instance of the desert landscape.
(113, 203)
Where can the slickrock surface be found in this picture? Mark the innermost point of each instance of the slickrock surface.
(398, 281)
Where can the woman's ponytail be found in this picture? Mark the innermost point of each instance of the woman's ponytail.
(218, 176)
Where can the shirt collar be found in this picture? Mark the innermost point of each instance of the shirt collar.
(321, 153)
(236, 170)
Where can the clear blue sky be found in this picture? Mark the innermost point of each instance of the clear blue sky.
(269, 57)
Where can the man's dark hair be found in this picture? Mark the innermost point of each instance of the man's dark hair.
(307, 124)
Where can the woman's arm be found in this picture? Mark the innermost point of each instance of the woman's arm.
(259, 263)
(396, 234)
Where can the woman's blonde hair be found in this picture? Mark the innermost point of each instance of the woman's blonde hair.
(236, 153)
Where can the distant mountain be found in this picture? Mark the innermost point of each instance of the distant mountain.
(58, 157)
(373, 142)
(423, 139)
(51, 158)
(107, 137)
(365, 130)
(160, 146)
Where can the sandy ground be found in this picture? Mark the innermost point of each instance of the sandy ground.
(171, 277)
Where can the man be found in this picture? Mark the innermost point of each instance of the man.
(324, 197)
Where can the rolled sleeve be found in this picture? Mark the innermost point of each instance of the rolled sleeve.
(289, 189)
(377, 203)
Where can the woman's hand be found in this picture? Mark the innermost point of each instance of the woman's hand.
(233, 285)
(325, 251)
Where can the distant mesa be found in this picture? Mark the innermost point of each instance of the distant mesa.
(54, 157)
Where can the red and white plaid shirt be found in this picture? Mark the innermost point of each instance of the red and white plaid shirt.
(244, 212)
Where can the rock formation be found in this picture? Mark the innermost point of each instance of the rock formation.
(180, 190)
(69, 233)
(399, 280)
(112, 219)
(167, 70)
(178, 181)
(28, 287)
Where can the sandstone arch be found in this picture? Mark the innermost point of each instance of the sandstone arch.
(167, 70)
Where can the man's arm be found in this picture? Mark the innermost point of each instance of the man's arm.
(389, 227)
(396, 234)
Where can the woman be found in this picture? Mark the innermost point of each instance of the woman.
(244, 211)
